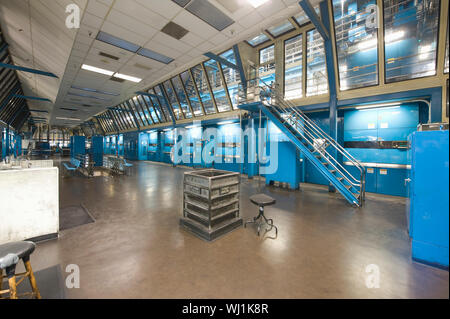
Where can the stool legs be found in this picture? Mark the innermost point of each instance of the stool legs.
(260, 220)
(1, 281)
(31, 278)
(11, 274)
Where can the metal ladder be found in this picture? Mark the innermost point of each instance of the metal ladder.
(314, 143)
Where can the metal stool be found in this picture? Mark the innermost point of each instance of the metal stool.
(10, 254)
(262, 200)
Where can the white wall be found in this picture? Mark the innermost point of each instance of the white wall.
(29, 203)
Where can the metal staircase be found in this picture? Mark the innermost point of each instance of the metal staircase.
(317, 146)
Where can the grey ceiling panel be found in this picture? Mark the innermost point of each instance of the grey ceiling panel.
(182, 3)
(210, 14)
(174, 30)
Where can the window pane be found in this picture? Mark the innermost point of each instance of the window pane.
(181, 96)
(202, 85)
(173, 100)
(261, 38)
(156, 104)
(302, 18)
(232, 78)
(267, 65)
(410, 38)
(446, 54)
(293, 68)
(281, 28)
(155, 115)
(163, 103)
(356, 42)
(192, 93)
(140, 112)
(215, 80)
(144, 108)
(316, 73)
(136, 113)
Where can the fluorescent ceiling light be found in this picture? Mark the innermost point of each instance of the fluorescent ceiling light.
(193, 126)
(367, 44)
(127, 77)
(68, 118)
(93, 90)
(257, 3)
(393, 104)
(97, 70)
(167, 130)
(424, 51)
(394, 36)
(117, 42)
(225, 122)
(154, 56)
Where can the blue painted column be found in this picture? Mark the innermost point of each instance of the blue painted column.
(332, 87)
(252, 144)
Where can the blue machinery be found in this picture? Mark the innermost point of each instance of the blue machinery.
(428, 196)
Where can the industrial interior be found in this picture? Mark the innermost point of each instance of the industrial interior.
(224, 149)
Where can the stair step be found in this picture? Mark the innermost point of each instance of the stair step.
(356, 195)
(332, 171)
(348, 186)
(325, 164)
(340, 179)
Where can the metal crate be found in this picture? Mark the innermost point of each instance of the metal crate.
(211, 203)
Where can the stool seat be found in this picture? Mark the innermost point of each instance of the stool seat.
(20, 249)
(262, 200)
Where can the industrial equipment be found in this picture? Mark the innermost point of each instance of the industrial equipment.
(428, 207)
(211, 203)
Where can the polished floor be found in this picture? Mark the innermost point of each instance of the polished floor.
(136, 249)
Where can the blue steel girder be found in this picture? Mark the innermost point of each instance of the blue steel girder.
(28, 70)
(240, 66)
(332, 85)
(221, 60)
(25, 97)
(312, 15)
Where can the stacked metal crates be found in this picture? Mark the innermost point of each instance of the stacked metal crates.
(211, 203)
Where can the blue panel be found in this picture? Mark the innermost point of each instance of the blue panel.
(429, 209)
(77, 145)
(391, 181)
(288, 169)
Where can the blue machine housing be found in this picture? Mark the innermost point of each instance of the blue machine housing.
(77, 145)
(97, 150)
(428, 196)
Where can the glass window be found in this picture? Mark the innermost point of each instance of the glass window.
(302, 18)
(157, 106)
(173, 100)
(267, 65)
(127, 116)
(232, 78)
(410, 38)
(136, 113)
(356, 43)
(141, 102)
(181, 96)
(140, 112)
(316, 72)
(217, 87)
(281, 28)
(446, 53)
(259, 39)
(202, 85)
(293, 67)
(155, 114)
(192, 93)
(163, 103)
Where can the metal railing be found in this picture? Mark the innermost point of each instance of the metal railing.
(311, 133)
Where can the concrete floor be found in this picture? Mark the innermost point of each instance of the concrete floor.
(136, 249)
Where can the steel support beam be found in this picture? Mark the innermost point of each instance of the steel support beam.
(24, 69)
(221, 60)
(312, 15)
(241, 69)
(32, 98)
(332, 85)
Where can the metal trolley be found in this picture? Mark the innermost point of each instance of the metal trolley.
(211, 203)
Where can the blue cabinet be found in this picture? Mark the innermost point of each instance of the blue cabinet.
(429, 200)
